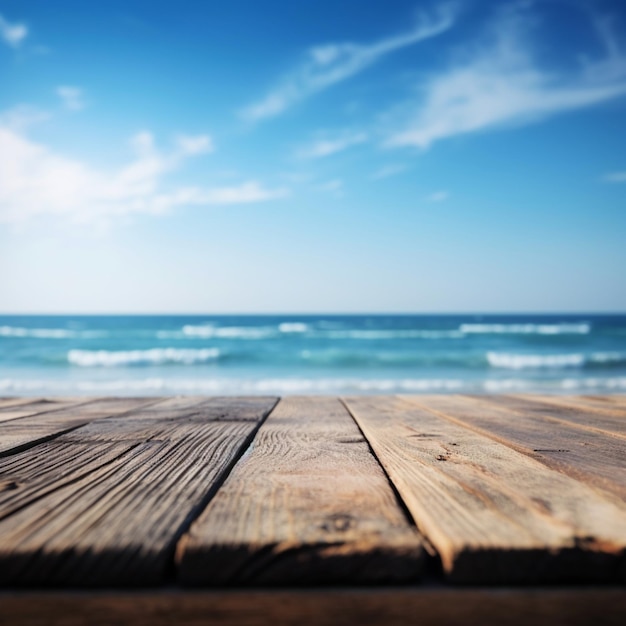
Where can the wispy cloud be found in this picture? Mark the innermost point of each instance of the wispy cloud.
(615, 177)
(72, 97)
(12, 33)
(393, 169)
(36, 182)
(502, 84)
(198, 144)
(332, 63)
(326, 146)
(23, 116)
(245, 193)
(437, 196)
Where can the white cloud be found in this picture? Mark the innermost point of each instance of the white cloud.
(23, 116)
(389, 170)
(35, 181)
(12, 33)
(503, 85)
(437, 196)
(72, 97)
(332, 63)
(248, 192)
(200, 144)
(326, 147)
(615, 177)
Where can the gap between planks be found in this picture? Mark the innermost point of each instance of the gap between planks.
(307, 504)
(26, 431)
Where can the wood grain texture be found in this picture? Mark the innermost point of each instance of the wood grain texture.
(618, 400)
(576, 410)
(37, 407)
(610, 404)
(105, 504)
(25, 432)
(593, 457)
(425, 606)
(494, 515)
(19, 401)
(307, 504)
(594, 407)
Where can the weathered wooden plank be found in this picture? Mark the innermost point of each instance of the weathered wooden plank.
(607, 401)
(493, 514)
(18, 434)
(307, 504)
(568, 412)
(39, 406)
(105, 504)
(598, 405)
(382, 606)
(25, 477)
(15, 401)
(606, 405)
(615, 399)
(590, 456)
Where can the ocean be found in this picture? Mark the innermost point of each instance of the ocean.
(312, 354)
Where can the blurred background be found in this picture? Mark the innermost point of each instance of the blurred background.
(312, 196)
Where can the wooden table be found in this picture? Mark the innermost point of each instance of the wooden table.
(313, 510)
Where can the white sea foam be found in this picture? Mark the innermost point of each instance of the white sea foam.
(524, 361)
(38, 333)
(155, 356)
(293, 327)
(156, 386)
(608, 357)
(199, 331)
(394, 334)
(580, 328)
(266, 332)
(228, 332)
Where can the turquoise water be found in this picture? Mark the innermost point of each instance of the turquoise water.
(142, 355)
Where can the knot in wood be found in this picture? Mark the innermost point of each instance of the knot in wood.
(338, 523)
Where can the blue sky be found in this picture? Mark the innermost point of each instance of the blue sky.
(312, 156)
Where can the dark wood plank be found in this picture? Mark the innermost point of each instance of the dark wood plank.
(39, 406)
(105, 504)
(52, 464)
(569, 411)
(308, 504)
(24, 432)
(590, 456)
(386, 606)
(493, 514)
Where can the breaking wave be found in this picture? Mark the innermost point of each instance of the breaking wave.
(155, 356)
(227, 332)
(48, 333)
(527, 361)
(580, 328)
